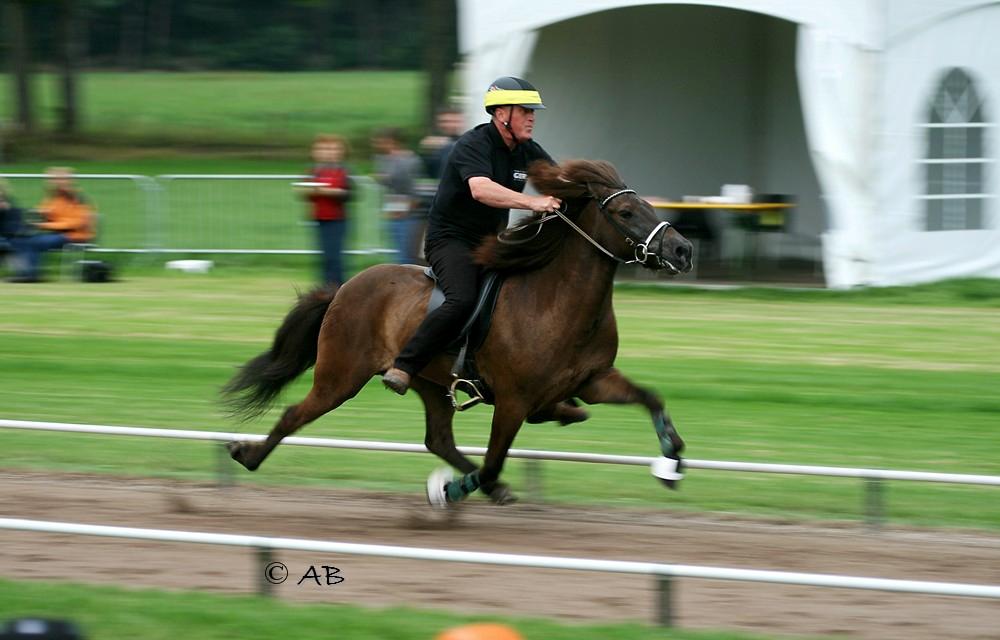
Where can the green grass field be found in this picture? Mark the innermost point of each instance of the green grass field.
(264, 110)
(152, 124)
(106, 613)
(902, 379)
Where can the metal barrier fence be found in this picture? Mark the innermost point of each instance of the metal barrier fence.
(206, 213)
(257, 214)
(663, 573)
(126, 205)
(873, 478)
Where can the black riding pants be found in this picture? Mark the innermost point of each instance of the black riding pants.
(458, 276)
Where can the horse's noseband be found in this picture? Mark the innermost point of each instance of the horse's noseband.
(642, 252)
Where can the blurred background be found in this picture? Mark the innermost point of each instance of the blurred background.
(834, 164)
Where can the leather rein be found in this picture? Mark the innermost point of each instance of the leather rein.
(642, 253)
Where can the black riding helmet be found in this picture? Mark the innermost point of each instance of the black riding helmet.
(508, 90)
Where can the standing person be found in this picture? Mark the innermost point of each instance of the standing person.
(483, 179)
(66, 217)
(449, 124)
(397, 169)
(328, 202)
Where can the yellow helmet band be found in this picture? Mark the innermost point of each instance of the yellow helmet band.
(498, 97)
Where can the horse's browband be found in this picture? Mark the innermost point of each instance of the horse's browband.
(614, 195)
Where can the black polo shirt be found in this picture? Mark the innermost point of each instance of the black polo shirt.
(455, 214)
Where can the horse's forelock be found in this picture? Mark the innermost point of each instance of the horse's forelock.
(574, 178)
(553, 180)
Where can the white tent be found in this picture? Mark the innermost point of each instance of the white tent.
(875, 114)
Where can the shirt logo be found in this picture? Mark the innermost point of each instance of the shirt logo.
(520, 175)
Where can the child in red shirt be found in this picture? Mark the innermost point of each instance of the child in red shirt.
(328, 196)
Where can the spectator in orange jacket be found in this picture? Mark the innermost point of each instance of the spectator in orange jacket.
(66, 217)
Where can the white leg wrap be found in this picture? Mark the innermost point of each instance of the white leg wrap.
(665, 469)
(435, 487)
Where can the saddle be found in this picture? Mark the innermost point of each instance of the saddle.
(464, 374)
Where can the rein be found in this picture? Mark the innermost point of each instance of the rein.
(642, 253)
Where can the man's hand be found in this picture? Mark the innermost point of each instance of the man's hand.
(545, 204)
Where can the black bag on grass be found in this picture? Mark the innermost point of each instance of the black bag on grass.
(96, 271)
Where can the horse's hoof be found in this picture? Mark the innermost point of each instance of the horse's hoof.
(668, 470)
(502, 495)
(436, 482)
(571, 415)
(670, 484)
(238, 452)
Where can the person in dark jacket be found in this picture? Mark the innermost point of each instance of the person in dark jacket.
(11, 218)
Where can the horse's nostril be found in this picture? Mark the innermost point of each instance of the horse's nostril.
(683, 251)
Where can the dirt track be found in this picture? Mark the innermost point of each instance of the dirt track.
(575, 596)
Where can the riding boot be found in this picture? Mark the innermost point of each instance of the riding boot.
(396, 380)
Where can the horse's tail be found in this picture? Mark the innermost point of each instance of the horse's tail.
(254, 388)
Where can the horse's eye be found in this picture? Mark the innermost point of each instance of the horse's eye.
(625, 214)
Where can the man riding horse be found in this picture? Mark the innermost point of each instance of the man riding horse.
(483, 178)
(559, 269)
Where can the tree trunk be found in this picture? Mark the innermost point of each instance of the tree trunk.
(130, 42)
(160, 13)
(436, 46)
(320, 28)
(369, 34)
(20, 63)
(69, 33)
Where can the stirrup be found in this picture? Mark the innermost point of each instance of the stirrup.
(470, 388)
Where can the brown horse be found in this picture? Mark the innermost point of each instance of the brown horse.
(553, 335)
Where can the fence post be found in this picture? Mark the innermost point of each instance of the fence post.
(224, 467)
(874, 503)
(664, 601)
(156, 209)
(264, 559)
(533, 480)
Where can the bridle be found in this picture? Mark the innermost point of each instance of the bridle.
(642, 253)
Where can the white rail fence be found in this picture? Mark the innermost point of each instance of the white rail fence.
(873, 478)
(663, 573)
(257, 214)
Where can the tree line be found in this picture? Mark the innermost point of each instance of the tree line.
(69, 35)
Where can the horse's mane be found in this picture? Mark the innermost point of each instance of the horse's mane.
(570, 182)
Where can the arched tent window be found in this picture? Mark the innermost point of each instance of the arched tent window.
(956, 156)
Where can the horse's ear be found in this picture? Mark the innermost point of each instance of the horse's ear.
(596, 190)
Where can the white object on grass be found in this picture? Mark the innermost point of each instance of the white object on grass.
(191, 266)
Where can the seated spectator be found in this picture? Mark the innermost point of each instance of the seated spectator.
(66, 217)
